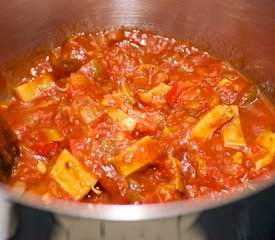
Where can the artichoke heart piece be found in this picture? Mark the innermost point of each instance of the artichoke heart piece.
(141, 153)
(71, 176)
(266, 140)
(212, 121)
(232, 131)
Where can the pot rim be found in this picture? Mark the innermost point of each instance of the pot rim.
(131, 212)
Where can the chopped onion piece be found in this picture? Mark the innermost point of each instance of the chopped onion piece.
(232, 131)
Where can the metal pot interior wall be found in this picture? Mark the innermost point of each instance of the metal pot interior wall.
(240, 31)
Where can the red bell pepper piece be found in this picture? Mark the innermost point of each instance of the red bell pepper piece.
(177, 90)
(146, 126)
(45, 148)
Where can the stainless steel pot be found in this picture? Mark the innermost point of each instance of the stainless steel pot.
(241, 31)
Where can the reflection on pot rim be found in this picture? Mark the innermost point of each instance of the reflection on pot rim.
(112, 212)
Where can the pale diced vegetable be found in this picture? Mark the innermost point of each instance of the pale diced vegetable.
(6, 103)
(123, 119)
(72, 176)
(166, 191)
(51, 134)
(160, 90)
(149, 67)
(232, 131)
(91, 115)
(231, 75)
(121, 138)
(143, 152)
(264, 161)
(177, 170)
(169, 131)
(87, 114)
(46, 82)
(78, 78)
(108, 100)
(211, 121)
(28, 91)
(224, 82)
(156, 92)
(127, 93)
(41, 166)
(202, 169)
(94, 69)
(237, 158)
(266, 140)
(146, 97)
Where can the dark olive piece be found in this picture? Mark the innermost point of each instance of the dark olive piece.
(9, 150)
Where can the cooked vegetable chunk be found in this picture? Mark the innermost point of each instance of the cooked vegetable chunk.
(160, 90)
(224, 82)
(238, 158)
(145, 97)
(266, 140)
(264, 161)
(123, 119)
(51, 134)
(176, 168)
(156, 92)
(41, 166)
(127, 93)
(94, 69)
(72, 176)
(91, 115)
(28, 91)
(232, 131)
(78, 78)
(145, 151)
(211, 121)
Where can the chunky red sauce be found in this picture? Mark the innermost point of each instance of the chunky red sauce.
(133, 117)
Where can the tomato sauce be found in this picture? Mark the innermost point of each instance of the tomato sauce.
(131, 117)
